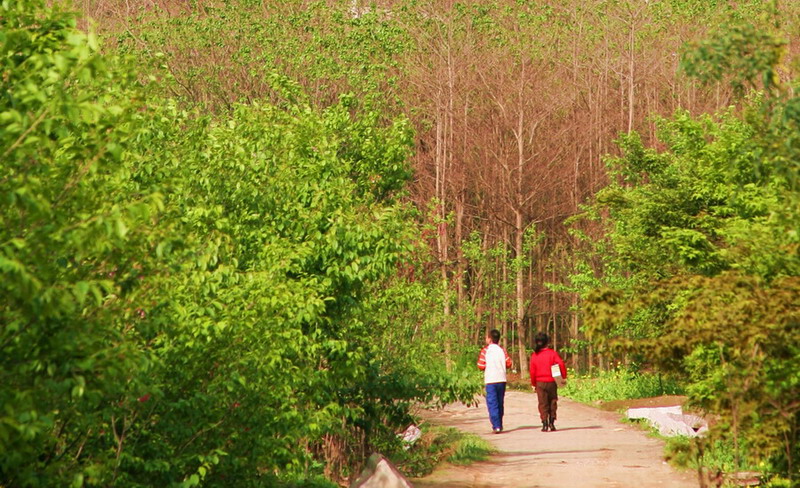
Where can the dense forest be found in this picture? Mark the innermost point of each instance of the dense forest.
(241, 239)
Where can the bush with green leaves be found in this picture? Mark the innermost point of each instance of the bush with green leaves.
(68, 240)
(188, 298)
(703, 233)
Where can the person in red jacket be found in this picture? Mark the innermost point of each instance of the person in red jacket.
(542, 380)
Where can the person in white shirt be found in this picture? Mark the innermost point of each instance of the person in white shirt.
(493, 361)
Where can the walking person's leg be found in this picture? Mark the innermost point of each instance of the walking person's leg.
(544, 404)
(501, 399)
(553, 406)
(492, 405)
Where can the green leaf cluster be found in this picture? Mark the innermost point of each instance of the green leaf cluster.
(69, 241)
(703, 246)
(191, 299)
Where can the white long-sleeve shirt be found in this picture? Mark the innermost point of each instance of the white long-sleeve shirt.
(494, 360)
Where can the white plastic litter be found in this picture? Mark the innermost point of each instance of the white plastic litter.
(410, 435)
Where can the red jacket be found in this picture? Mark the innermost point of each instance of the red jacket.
(540, 366)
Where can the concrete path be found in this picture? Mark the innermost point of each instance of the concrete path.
(591, 448)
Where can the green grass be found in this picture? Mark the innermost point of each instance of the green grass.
(469, 449)
(717, 457)
(618, 384)
(683, 452)
(440, 444)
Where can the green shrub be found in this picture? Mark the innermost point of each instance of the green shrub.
(714, 455)
(187, 298)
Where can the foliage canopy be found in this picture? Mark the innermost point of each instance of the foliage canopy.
(186, 297)
(707, 231)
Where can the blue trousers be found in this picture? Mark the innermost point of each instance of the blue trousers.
(495, 394)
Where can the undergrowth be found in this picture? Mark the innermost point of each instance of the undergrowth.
(440, 444)
(618, 384)
(715, 458)
(716, 455)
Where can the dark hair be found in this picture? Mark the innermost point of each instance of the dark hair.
(540, 341)
(494, 334)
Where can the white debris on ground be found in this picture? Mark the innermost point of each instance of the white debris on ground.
(410, 435)
(671, 421)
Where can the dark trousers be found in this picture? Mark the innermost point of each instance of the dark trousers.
(495, 395)
(547, 392)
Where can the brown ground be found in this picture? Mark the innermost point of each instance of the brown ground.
(591, 448)
(661, 401)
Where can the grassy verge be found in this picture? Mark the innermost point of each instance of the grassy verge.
(714, 459)
(438, 445)
(618, 384)
(694, 454)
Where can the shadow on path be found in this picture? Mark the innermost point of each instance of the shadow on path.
(564, 429)
(560, 429)
(503, 454)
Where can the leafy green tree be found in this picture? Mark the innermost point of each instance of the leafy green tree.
(197, 299)
(68, 242)
(705, 230)
(281, 233)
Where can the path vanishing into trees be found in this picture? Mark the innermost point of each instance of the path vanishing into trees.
(591, 448)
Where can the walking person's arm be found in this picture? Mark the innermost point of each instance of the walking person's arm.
(532, 371)
(482, 359)
(561, 366)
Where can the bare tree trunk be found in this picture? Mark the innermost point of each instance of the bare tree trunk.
(554, 337)
(441, 238)
(519, 237)
(520, 295)
(504, 300)
(574, 318)
(630, 76)
(460, 268)
(528, 328)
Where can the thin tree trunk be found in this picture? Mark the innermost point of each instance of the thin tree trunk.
(441, 238)
(631, 39)
(460, 268)
(554, 336)
(574, 318)
(520, 295)
(504, 299)
(519, 234)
